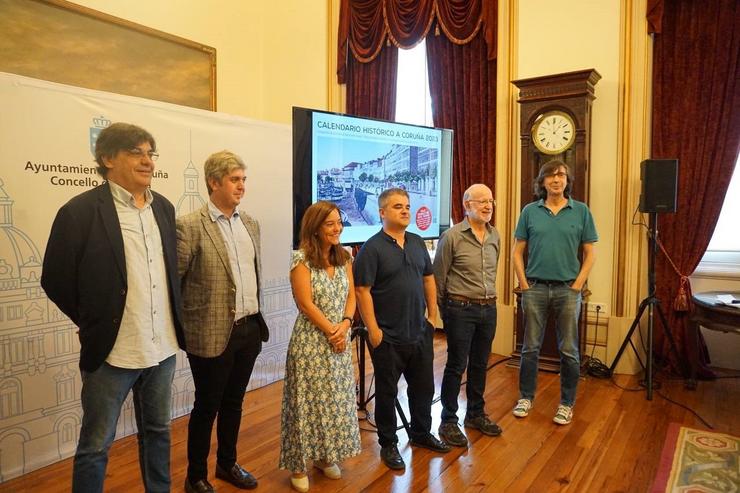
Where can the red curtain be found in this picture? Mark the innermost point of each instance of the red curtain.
(462, 71)
(371, 87)
(696, 118)
(366, 25)
(462, 82)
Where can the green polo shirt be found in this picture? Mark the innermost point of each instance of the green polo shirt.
(553, 240)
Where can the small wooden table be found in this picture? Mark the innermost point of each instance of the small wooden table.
(709, 313)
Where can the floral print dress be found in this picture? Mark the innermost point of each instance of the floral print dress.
(319, 416)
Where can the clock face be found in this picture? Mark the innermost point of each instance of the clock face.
(553, 132)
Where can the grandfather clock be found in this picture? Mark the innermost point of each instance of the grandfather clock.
(555, 115)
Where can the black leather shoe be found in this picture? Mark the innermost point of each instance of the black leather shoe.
(451, 434)
(200, 486)
(432, 443)
(237, 476)
(484, 425)
(391, 457)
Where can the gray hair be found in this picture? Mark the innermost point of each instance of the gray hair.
(386, 194)
(469, 191)
(220, 164)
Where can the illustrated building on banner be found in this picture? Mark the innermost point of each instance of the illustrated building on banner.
(44, 164)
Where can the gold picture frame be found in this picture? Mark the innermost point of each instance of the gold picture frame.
(63, 42)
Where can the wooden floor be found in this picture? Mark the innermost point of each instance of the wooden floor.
(612, 445)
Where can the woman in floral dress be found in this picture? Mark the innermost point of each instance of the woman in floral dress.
(319, 417)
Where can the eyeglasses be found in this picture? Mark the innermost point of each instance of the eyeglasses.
(484, 202)
(135, 151)
(558, 174)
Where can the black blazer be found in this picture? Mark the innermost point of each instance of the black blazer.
(84, 271)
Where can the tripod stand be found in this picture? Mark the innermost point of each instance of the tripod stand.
(651, 303)
(360, 333)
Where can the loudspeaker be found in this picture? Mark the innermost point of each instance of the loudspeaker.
(659, 185)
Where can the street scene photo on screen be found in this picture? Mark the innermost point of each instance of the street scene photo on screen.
(355, 185)
(355, 160)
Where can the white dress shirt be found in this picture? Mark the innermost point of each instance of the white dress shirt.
(241, 252)
(147, 333)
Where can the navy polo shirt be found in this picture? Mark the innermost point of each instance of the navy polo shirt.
(396, 279)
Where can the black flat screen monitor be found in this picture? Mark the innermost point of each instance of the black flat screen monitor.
(350, 161)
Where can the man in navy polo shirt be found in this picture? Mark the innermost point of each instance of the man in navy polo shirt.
(395, 284)
(552, 230)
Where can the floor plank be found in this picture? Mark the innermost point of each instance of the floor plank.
(612, 445)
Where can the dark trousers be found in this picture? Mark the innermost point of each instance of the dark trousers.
(220, 384)
(415, 363)
(470, 329)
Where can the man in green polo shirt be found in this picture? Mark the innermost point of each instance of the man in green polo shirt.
(551, 230)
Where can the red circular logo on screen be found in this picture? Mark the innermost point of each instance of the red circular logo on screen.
(423, 218)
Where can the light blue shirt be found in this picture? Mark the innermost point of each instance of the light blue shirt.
(147, 332)
(241, 252)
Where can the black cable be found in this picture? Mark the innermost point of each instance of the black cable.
(627, 389)
(596, 331)
(685, 407)
(594, 366)
(498, 362)
(641, 222)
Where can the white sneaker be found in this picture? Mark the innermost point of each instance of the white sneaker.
(522, 408)
(564, 414)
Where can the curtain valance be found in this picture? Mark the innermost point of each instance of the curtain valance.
(366, 25)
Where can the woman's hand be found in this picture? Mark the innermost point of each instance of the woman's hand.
(338, 338)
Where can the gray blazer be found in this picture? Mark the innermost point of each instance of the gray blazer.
(208, 287)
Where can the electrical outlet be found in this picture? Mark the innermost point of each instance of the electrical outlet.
(599, 308)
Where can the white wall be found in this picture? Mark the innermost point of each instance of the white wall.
(556, 37)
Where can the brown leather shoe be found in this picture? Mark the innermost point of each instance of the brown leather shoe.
(483, 424)
(237, 476)
(200, 486)
(432, 443)
(451, 434)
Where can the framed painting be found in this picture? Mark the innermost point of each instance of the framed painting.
(60, 41)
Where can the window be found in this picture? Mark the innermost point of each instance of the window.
(15, 312)
(65, 390)
(10, 399)
(63, 341)
(723, 253)
(69, 433)
(413, 102)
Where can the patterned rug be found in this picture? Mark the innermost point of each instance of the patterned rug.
(698, 461)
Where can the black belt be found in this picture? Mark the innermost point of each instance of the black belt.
(243, 320)
(549, 282)
(476, 301)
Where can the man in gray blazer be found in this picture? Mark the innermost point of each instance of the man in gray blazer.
(218, 249)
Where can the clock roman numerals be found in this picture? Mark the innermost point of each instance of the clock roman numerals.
(553, 133)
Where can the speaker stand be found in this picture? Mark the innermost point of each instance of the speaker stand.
(651, 303)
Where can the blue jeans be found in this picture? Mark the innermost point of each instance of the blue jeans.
(103, 393)
(564, 304)
(470, 329)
